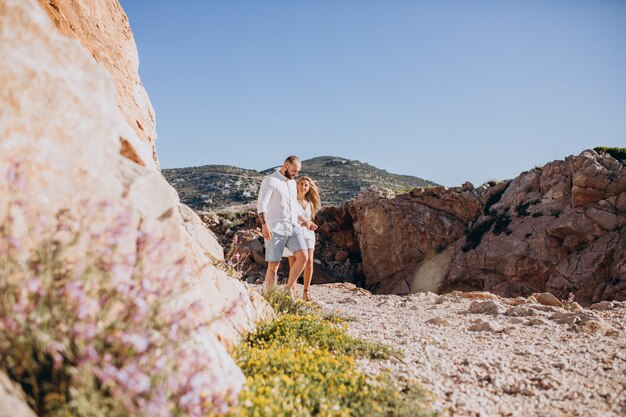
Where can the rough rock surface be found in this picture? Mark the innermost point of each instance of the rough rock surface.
(61, 125)
(560, 228)
(542, 361)
(12, 401)
(102, 28)
(396, 233)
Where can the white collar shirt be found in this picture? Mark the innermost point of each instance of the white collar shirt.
(278, 199)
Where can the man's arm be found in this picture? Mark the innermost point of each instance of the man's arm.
(262, 205)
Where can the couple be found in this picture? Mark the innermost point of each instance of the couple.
(286, 210)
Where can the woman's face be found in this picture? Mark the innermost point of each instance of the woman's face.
(303, 187)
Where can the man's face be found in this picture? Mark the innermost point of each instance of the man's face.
(292, 169)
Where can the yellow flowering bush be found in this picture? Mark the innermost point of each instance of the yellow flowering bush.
(304, 365)
(293, 330)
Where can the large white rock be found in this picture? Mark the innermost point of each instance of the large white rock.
(60, 120)
(102, 28)
(12, 402)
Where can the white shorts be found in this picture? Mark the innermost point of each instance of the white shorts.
(308, 240)
(279, 243)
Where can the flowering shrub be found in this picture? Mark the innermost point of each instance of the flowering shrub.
(234, 265)
(322, 333)
(304, 364)
(89, 323)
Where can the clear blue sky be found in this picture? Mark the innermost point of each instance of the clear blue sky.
(445, 90)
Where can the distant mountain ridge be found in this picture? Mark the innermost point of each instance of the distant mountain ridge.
(216, 187)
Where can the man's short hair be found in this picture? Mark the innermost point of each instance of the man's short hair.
(292, 159)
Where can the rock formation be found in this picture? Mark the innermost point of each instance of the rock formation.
(77, 125)
(12, 401)
(562, 230)
(102, 28)
(559, 228)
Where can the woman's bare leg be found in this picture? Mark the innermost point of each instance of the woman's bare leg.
(308, 275)
(308, 270)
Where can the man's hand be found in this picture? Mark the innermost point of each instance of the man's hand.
(267, 233)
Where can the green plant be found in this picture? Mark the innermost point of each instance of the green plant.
(234, 265)
(305, 366)
(474, 235)
(88, 312)
(522, 209)
(494, 198)
(501, 224)
(282, 302)
(322, 333)
(617, 153)
(569, 303)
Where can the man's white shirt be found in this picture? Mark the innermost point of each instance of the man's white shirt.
(278, 199)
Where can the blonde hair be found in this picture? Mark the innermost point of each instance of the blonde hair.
(312, 196)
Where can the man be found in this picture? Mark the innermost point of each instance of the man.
(281, 218)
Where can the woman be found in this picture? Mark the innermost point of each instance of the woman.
(309, 199)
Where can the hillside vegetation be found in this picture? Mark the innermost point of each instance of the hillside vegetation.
(216, 187)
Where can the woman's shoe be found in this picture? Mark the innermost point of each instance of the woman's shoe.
(305, 295)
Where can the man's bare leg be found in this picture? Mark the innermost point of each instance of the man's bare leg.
(271, 274)
(296, 269)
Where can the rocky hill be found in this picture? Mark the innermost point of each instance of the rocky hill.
(216, 187)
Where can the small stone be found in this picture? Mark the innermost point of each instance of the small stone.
(517, 301)
(603, 306)
(484, 326)
(536, 321)
(544, 309)
(475, 295)
(563, 317)
(484, 307)
(547, 299)
(595, 326)
(438, 321)
(519, 312)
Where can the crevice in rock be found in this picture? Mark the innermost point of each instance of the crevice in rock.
(129, 152)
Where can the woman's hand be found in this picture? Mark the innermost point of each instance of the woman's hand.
(311, 226)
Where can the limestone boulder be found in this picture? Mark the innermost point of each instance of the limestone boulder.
(65, 137)
(12, 400)
(102, 28)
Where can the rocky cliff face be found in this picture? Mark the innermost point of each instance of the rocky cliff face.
(559, 228)
(102, 29)
(76, 126)
(563, 231)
